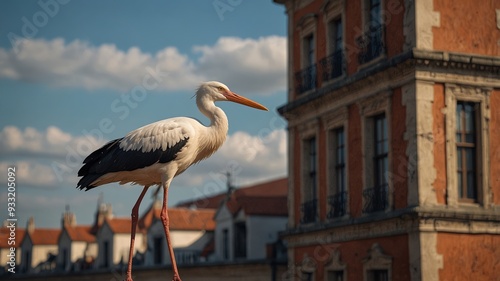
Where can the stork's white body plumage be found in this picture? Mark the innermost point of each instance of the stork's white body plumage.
(162, 135)
(156, 153)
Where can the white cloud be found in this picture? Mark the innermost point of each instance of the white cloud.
(49, 158)
(250, 64)
(52, 157)
(52, 142)
(249, 158)
(30, 173)
(255, 65)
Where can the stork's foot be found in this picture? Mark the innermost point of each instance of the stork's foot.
(128, 279)
(176, 278)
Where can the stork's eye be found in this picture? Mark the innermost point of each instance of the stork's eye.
(220, 88)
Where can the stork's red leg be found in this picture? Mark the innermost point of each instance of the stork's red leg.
(135, 215)
(166, 225)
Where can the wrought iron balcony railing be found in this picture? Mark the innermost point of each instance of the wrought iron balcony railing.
(309, 211)
(371, 44)
(338, 205)
(305, 79)
(375, 199)
(333, 66)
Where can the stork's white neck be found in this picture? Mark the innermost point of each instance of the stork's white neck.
(218, 119)
(217, 131)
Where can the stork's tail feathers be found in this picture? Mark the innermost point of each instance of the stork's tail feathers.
(88, 171)
(86, 182)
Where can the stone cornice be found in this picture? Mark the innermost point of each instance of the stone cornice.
(402, 65)
(397, 222)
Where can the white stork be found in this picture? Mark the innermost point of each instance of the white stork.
(156, 153)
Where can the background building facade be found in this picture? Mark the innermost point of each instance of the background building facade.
(394, 126)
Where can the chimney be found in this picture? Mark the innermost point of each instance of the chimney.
(31, 225)
(68, 218)
(230, 187)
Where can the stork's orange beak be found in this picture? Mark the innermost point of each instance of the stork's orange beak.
(242, 100)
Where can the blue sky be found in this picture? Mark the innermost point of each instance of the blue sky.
(75, 74)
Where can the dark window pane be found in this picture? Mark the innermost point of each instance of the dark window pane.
(466, 149)
(459, 159)
(470, 159)
(471, 183)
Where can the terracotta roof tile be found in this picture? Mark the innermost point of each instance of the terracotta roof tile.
(180, 218)
(210, 202)
(188, 219)
(80, 233)
(147, 218)
(120, 225)
(5, 234)
(266, 199)
(45, 236)
(274, 188)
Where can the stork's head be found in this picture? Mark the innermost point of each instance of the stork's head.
(217, 91)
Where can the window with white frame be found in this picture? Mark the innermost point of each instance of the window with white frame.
(467, 144)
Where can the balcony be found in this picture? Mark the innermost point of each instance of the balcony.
(309, 211)
(332, 66)
(305, 80)
(338, 205)
(371, 44)
(375, 199)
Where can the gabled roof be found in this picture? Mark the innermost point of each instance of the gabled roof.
(119, 225)
(80, 233)
(265, 199)
(188, 219)
(149, 216)
(44, 236)
(180, 218)
(274, 188)
(211, 202)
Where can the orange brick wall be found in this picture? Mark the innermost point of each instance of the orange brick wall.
(394, 36)
(439, 143)
(469, 257)
(495, 145)
(467, 27)
(353, 253)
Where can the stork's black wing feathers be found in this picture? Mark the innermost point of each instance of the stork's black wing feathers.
(111, 158)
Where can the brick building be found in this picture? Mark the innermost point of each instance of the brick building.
(394, 139)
